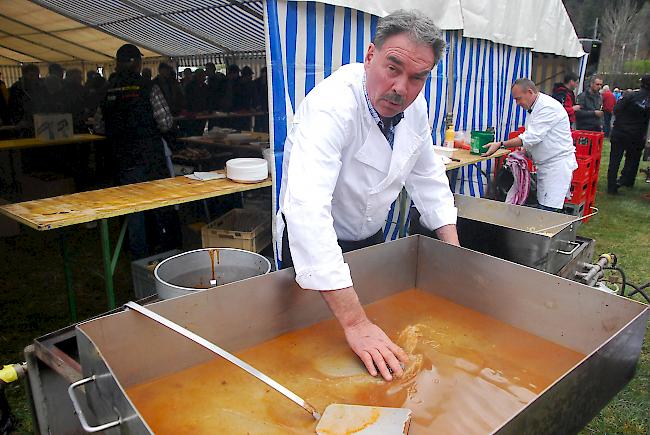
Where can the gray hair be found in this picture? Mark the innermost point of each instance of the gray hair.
(420, 28)
(593, 78)
(525, 84)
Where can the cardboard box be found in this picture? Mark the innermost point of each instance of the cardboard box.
(45, 185)
(53, 126)
(8, 227)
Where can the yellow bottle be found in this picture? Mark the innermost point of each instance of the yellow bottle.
(449, 136)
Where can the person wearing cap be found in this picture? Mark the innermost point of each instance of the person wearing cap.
(632, 113)
(133, 115)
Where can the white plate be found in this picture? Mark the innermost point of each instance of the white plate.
(445, 151)
(247, 170)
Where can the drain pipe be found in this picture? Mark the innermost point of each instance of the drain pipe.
(596, 270)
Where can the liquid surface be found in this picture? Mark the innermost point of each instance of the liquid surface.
(468, 373)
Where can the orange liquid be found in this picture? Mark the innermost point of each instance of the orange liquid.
(468, 373)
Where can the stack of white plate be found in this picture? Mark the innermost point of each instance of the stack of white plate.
(247, 170)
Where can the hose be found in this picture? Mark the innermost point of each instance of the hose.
(8, 374)
(637, 289)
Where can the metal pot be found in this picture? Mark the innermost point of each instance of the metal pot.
(191, 271)
(535, 238)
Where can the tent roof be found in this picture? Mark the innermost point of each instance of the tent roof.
(31, 33)
(88, 30)
(72, 30)
(543, 26)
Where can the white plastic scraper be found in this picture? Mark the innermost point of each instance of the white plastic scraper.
(341, 419)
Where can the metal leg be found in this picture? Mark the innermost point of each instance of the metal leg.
(110, 261)
(106, 254)
(72, 297)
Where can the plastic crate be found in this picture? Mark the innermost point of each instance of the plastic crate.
(584, 171)
(587, 211)
(144, 284)
(247, 229)
(575, 209)
(579, 191)
(588, 143)
(593, 188)
(595, 167)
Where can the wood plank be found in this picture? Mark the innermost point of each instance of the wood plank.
(77, 208)
(466, 158)
(218, 115)
(32, 142)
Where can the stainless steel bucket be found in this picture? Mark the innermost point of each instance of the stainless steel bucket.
(191, 271)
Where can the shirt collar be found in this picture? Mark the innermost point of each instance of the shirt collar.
(392, 122)
(532, 106)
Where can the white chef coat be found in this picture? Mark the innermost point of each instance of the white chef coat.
(340, 177)
(548, 140)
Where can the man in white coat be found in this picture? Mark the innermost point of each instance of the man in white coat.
(548, 141)
(357, 138)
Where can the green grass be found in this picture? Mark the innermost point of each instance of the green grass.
(34, 300)
(623, 227)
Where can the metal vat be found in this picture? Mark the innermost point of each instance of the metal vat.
(606, 328)
(191, 271)
(536, 238)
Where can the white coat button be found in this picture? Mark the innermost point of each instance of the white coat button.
(369, 219)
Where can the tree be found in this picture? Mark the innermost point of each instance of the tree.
(623, 29)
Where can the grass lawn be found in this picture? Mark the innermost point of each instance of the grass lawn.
(623, 227)
(34, 299)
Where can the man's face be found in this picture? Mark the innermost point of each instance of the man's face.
(596, 85)
(572, 85)
(396, 73)
(523, 98)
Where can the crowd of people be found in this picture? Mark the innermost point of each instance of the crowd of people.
(141, 117)
(621, 116)
(199, 91)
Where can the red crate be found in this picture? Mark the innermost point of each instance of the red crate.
(589, 208)
(591, 191)
(588, 143)
(595, 167)
(584, 171)
(579, 191)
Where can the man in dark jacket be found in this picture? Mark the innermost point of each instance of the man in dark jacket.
(170, 88)
(134, 115)
(632, 113)
(26, 97)
(564, 93)
(590, 115)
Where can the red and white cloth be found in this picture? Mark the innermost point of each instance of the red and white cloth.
(518, 165)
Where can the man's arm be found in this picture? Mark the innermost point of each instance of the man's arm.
(428, 185)
(161, 112)
(494, 146)
(317, 140)
(366, 339)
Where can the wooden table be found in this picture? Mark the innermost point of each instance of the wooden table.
(221, 115)
(100, 205)
(466, 158)
(12, 145)
(32, 142)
